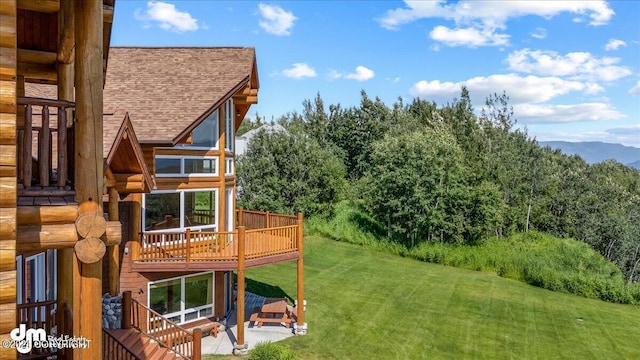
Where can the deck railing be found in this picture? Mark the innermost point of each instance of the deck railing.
(266, 235)
(167, 333)
(114, 349)
(38, 315)
(47, 167)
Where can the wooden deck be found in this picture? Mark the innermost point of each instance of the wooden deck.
(190, 250)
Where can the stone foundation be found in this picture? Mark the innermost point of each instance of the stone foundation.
(111, 311)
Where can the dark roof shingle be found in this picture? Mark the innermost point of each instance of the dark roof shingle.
(165, 90)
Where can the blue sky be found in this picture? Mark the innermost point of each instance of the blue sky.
(571, 68)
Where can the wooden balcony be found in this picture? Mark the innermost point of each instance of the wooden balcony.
(43, 155)
(261, 238)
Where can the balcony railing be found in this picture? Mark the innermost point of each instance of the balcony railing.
(256, 230)
(43, 155)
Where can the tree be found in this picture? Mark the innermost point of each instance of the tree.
(289, 173)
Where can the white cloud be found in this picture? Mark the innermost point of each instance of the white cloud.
(528, 89)
(275, 20)
(540, 114)
(539, 33)
(486, 12)
(614, 44)
(477, 22)
(168, 17)
(470, 37)
(575, 65)
(635, 91)
(361, 74)
(299, 71)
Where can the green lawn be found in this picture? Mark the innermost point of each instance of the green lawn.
(364, 304)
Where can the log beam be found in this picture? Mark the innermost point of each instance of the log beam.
(43, 6)
(36, 57)
(45, 215)
(38, 71)
(60, 236)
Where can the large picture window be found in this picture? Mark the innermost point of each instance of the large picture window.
(183, 299)
(178, 210)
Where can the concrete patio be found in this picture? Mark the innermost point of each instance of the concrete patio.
(223, 344)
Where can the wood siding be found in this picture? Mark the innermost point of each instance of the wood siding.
(8, 65)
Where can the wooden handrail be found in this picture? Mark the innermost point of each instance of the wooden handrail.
(24, 100)
(166, 332)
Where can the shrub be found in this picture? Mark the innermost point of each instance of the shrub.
(271, 351)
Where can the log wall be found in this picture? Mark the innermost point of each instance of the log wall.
(8, 65)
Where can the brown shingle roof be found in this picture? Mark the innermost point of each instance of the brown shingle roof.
(166, 90)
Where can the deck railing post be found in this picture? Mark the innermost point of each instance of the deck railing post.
(197, 344)
(300, 327)
(240, 216)
(188, 245)
(267, 221)
(240, 346)
(126, 310)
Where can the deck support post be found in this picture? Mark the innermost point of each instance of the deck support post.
(113, 252)
(300, 328)
(89, 80)
(240, 348)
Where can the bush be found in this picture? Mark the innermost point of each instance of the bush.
(271, 351)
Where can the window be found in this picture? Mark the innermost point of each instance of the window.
(169, 165)
(183, 299)
(229, 166)
(229, 125)
(178, 210)
(206, 134)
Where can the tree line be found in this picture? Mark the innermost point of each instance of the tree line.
(441, 174)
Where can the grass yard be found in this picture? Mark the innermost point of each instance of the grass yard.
(364, 304)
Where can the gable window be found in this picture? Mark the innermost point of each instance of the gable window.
(183, 299)
(180, 166)
(229, 126)
(206, 134)
(178, 210)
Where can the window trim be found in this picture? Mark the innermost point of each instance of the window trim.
(229, 124)
(183, 311)
(182, 172)
(182, 227)
(229, 166)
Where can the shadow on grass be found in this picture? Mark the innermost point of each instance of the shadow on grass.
(266, 290)
(366, 224)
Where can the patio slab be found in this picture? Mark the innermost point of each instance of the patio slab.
(223, 344)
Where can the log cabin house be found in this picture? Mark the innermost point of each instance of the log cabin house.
(133, 194)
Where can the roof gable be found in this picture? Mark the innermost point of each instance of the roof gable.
(168, 91)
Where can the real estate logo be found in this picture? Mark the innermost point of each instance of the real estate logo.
(24, 340)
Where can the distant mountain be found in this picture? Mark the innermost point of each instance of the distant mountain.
(596, 151)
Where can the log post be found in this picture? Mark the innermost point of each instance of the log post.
(136, 225)
(301, 327)
(126, 309)
(89, 161)
(113, 252)
(66, 260)
(240, 345)
(27, 139)
(222, 169)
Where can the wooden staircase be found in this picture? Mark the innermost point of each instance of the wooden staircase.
(136, 345)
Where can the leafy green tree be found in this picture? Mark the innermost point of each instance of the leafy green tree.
(289, 173)
(415, 185)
